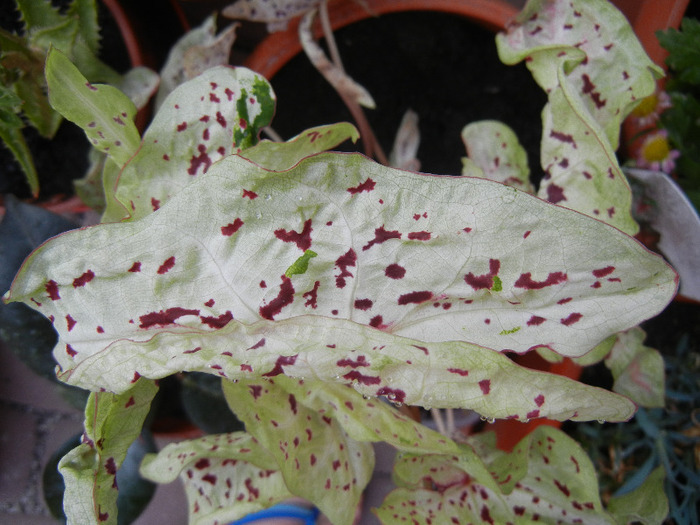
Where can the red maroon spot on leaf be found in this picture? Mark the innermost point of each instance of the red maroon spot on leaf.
(393, 394)
(564, 300)
(182, 126)
(255, 391)
(422, 349)
(535, 320)
(459, 371)
(167, 265)
(485, 281)
(563, 488)
(376, 322)
(602, 272)
(293, 403)
(136, 377)
(111, 467)
(284, 298)
(135, 268)
(301, 239)
(363, 304)
(381, 235)
(367, 186)
(209, 478)
(165, 317)
(193, 351)
(589, 89)
(100, 330)
(361, 361)
(217, 322)
(563, 137)
(210, 303)
(155, 204)
(220, 119)
(555, 194)
(354, 375)
(415, 297)
(52, 289)
(130, 402)
(283, 360)
(395, 271)
(83, 279)
(199, 160)
(257, 345)
(525, 281)
(485, 385)
(70, 351)
(571, 319)
(202, 464)
(532, 414)
(419, 236)
(312, 295)
(539, 400)
(249, 194)
(342, 263)
(70, 322)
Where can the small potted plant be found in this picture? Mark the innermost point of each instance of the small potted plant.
(326, 291)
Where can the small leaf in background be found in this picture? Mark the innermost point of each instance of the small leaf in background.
(637, 369)
(112, 423)
(594, 73)
(195, 52)
(405, 149)
(276, 13)
(11, 134)
(494, 148)
(226, 476)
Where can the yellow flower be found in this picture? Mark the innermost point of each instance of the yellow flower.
(651, 107)
(656, 153)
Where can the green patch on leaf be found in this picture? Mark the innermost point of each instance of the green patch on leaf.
(301, 264)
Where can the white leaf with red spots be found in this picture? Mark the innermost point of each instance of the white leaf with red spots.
(214, 115)
(587, 58)
(494, 148)
(226, 476)
(103, 112)
(425, 257)
(112, 423)
(317, 458)
(547, 478)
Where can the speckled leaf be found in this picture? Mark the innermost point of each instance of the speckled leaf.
(276, 13)
(494, 148)
(430, 258)
(226, 476)
(218, 113)
(587, 58)
(638, 370)
(557, 484)
(317, 458)
(280, 156)
(444, 375)
(112, 423)
(105, 113)
(195, 52)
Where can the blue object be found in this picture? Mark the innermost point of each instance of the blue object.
(283, 510)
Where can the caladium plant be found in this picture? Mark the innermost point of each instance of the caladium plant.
(323, 287)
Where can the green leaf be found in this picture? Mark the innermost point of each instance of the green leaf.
(317, 458)
(647, 505)
(587, 58)
(637, 369)
(11, 134)
(494, 148)
(218, 113)
(684, 51)
(281, 156)
(112, 423)
(226, 476)
(105, 113)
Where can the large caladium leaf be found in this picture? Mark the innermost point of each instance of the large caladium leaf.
(112, 423)
(317, 458)
(226, 476)
(594, 73)
(547, 478)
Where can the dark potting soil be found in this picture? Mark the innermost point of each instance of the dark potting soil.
(444, 67)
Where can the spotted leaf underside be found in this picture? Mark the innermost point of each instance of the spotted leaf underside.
(112, 423)
(587, 58)
(276, 13)
(404, 261)
(547, 478)
(226, 476)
